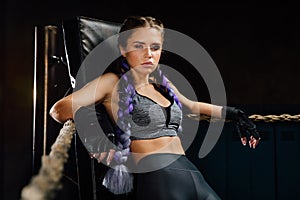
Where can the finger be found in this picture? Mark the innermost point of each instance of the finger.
(256, 142)
(253, 142)
(96, 155)
(239, 130)
(255, 134)
(91, 155)
(242, 131)
(102, 156)
(244, 140)
(110, 156)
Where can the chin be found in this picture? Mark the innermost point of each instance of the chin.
(145, 70)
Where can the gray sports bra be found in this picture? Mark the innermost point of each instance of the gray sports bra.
(149, 120)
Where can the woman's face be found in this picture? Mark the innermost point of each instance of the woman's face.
(143, 50)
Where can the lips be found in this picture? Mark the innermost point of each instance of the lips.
(147, 63)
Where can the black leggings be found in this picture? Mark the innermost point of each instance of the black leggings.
(180, 180)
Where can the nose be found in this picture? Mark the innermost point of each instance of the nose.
(147, 52)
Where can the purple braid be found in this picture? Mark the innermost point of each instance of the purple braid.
(118, 179)
(126, 92)
(165, 86)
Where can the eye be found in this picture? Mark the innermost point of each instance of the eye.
(138, 46)
(155, 47)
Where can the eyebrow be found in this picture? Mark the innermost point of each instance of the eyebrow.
(139, 42)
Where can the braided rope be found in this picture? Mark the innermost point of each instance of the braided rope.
(276, 118)
(43, 185)
(255, 117)
(47, 181)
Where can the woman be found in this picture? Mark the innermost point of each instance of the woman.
(147, 110)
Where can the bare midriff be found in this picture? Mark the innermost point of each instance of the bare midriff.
(142, 148)
(166, 144)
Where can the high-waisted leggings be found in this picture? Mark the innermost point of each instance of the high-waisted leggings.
(179, 180)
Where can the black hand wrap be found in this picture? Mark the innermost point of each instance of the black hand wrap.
(95, 129)
(245, 127)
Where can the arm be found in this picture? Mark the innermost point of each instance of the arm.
(198, 107)
(74, 107)
(245, 127)
(95, 91)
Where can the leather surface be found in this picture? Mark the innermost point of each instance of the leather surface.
(82, 35)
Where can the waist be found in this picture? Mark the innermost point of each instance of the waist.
(158, 161)
(146, 135)
(166, 144)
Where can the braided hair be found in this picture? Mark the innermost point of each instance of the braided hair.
(120, 181)
(126, 87)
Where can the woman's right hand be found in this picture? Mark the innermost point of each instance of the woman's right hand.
(97, 132)
(101, 156)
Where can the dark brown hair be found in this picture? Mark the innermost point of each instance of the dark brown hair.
(133, 22)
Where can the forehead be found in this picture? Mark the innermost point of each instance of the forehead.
(145, 35)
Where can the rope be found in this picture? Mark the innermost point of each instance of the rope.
(276, 118)
(255, 117)
(44, 185)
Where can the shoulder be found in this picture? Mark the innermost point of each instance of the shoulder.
(108, 81)
(172, 86)
(110, 77)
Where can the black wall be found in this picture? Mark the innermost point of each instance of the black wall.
(256, 48)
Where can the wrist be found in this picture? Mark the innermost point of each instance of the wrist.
(229, 112)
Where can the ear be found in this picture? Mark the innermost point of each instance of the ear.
(122, 50)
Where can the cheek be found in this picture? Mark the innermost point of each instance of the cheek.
(133, 58)
(157, 56)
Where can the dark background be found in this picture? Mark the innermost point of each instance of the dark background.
(255, 46)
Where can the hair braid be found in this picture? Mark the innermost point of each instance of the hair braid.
(165, 86)
(118, 179)
(126, 92)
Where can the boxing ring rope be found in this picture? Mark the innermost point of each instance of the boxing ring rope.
(255, 118)
(44, 185)
(47, 181)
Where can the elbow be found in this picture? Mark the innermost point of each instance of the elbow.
(59, 113)
(54, 113)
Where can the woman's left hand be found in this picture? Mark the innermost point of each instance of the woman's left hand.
(245, 127)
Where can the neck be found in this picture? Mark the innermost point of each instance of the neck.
(141, 85)
(140, 80)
